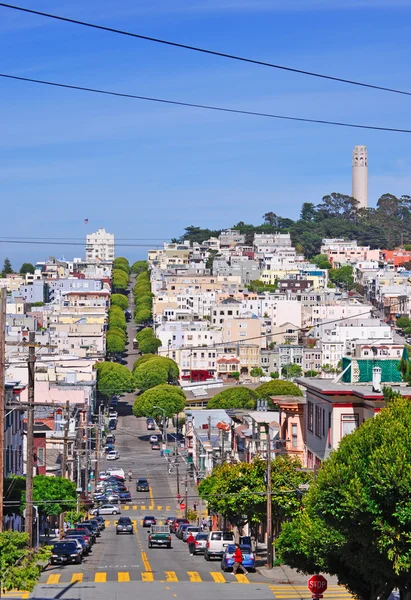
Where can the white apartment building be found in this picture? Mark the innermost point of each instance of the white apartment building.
(334, 310)
(100, 245)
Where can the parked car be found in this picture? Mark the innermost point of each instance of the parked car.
(200, 542)
(142, 485)
(124, 525)
(180, 530)
(113, 455)
(65, 552)
(151, 426)
(217, 542)
(149, 521)
(153, 439)
(170, 521)
(190, 529)
(112, 424)
(80, 533)
(101, 521)
(155, 446)
(116, 472)
(113, 498)
(227, 560)
(87, 529)
(113, 415)
(124, 496)
(109, 448)
(80, 541)
(106, 509)
(100, 497)
(94, 523)
(176, 523)
(110, 439)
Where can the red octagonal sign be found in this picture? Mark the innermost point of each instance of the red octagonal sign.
(182, 506)
(317, 584)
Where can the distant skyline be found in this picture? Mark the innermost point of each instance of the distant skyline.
(144, 170)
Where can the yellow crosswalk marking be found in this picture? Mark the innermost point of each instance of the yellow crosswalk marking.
(134, 507)
(218, 577)
(123, 576)
(100, 578)
(147, 576)
(77, 578)
(143, 507)
(241, 578)
(126, 507)
(151, 508)
(167, 508)
(159, 508)
(107, 523)
(15, 594)
(53, 579)
(194, 576)
(170, 576)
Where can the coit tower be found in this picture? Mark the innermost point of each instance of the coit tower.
(360, 175)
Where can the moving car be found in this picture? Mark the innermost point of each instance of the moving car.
(151, 426)
(109, 448)
(106, 509)
(110, 439)
(200, 542)
(113, 455)
(227, 560)
(142, 485)
(149, 521)
(153, 439)
(159, 536)
(170, 521)
(65, 552)
(124, 525)
(124, 496)
(155, 446)
(217, 542)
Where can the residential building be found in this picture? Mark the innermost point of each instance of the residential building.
(100, 246)
(231, 237)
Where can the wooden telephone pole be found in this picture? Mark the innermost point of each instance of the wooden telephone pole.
(64, 460)
(3, 297)
(28, 525)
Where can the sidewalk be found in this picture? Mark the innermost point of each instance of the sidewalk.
(287, 575)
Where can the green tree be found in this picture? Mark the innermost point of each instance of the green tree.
(256, 372)
(118, 322)
(26, 268)
(342, 277)
(311, 373)
(119, 300)
(149, 345)
(139, 266)
(162, 362)
(360, 501)
(235, 375)
(113, 378)
(149, 375)
(291, 371)
(122, 264)
(167, 397)
(403, 323)
(308, 212)
(145, 333)
(7, 268)
(119, 279)
(321, 261)
(143, 315)
(53, 495)
(237, 397)
(277, 387)
(20, 567)
(118, 331)
(274, 375)
(115, 343)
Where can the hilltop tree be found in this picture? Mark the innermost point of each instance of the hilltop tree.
(139, 266)
(113, 378)
(167, 397)
(7, 268)
(237, 397)
(26, 268)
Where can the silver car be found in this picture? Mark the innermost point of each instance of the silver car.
(190, 529)
(201, 541)
(106, 509)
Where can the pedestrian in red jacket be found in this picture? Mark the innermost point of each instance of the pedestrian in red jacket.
(238, 561)
(191, 543)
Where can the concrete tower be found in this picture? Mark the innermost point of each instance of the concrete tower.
(360, 175)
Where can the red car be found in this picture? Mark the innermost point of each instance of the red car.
(176, 522)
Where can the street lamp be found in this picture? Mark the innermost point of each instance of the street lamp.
(164, 424)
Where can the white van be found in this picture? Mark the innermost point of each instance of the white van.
(116, 473)
(217, 542)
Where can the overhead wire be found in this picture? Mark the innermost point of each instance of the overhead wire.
(201, 106)
(201, 50)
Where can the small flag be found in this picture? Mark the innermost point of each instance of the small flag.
(86, 221)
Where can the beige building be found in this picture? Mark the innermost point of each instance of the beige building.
(235, 329)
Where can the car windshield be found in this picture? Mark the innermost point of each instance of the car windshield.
(142, 480)
(201, 536)
(245, 549)
(65, 547)
(124, 520)
(146, 518)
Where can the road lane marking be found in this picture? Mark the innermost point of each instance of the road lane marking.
(218, 577)
(123, 576)
(168, 508)
(134, 507)
(143, 507)
(241, 578)
(100, 578)
(126, 507)
(77, 578)
(151, 498)
(15, 594)
(159, 508)
(134, 521)
(53, 579)
(146, 562)
(107, 523)
(171, 576)
(147, 576)
(194, 576)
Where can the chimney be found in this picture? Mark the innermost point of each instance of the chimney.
(376, 379)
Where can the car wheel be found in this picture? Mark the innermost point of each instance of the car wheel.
(114, 512)
(222, 568)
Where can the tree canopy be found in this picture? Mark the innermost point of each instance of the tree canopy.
(119, 279)
(19, 566)
(7, 268)
(277, 387)
(119, 300)
(53, 495)
(113, 378)
(139, 266)
(168, 397)
(357, 513)
(121, 263)
(26, 268)
(235, 397)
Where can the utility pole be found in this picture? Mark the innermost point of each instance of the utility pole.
(97, 450)
(28, 525)
(87, 469)
(64, 460)
(3, 297)
(78, 480)
(269, 505)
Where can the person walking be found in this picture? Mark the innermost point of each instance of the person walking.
(191, 543)
(47, 528)
(195, 506)
(203, 524)
(238, 561)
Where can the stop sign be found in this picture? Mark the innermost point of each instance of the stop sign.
(182, 506)
(317, 584)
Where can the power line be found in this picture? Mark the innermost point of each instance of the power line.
(56, 243)
(202, 106)
(204, 50)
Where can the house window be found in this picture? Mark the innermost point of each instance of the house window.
(310, 416)
(318, 421)
(294, 435)
(348, 424)
(40, 457)
(310, 459)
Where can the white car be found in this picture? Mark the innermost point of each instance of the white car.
(113, 455)
(106, 509)
(113, 415)
(153, 439)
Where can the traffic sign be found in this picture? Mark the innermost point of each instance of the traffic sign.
(178, 496)
(182, 506)
(317, 584)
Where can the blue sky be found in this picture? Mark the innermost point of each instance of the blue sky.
(144, 170)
